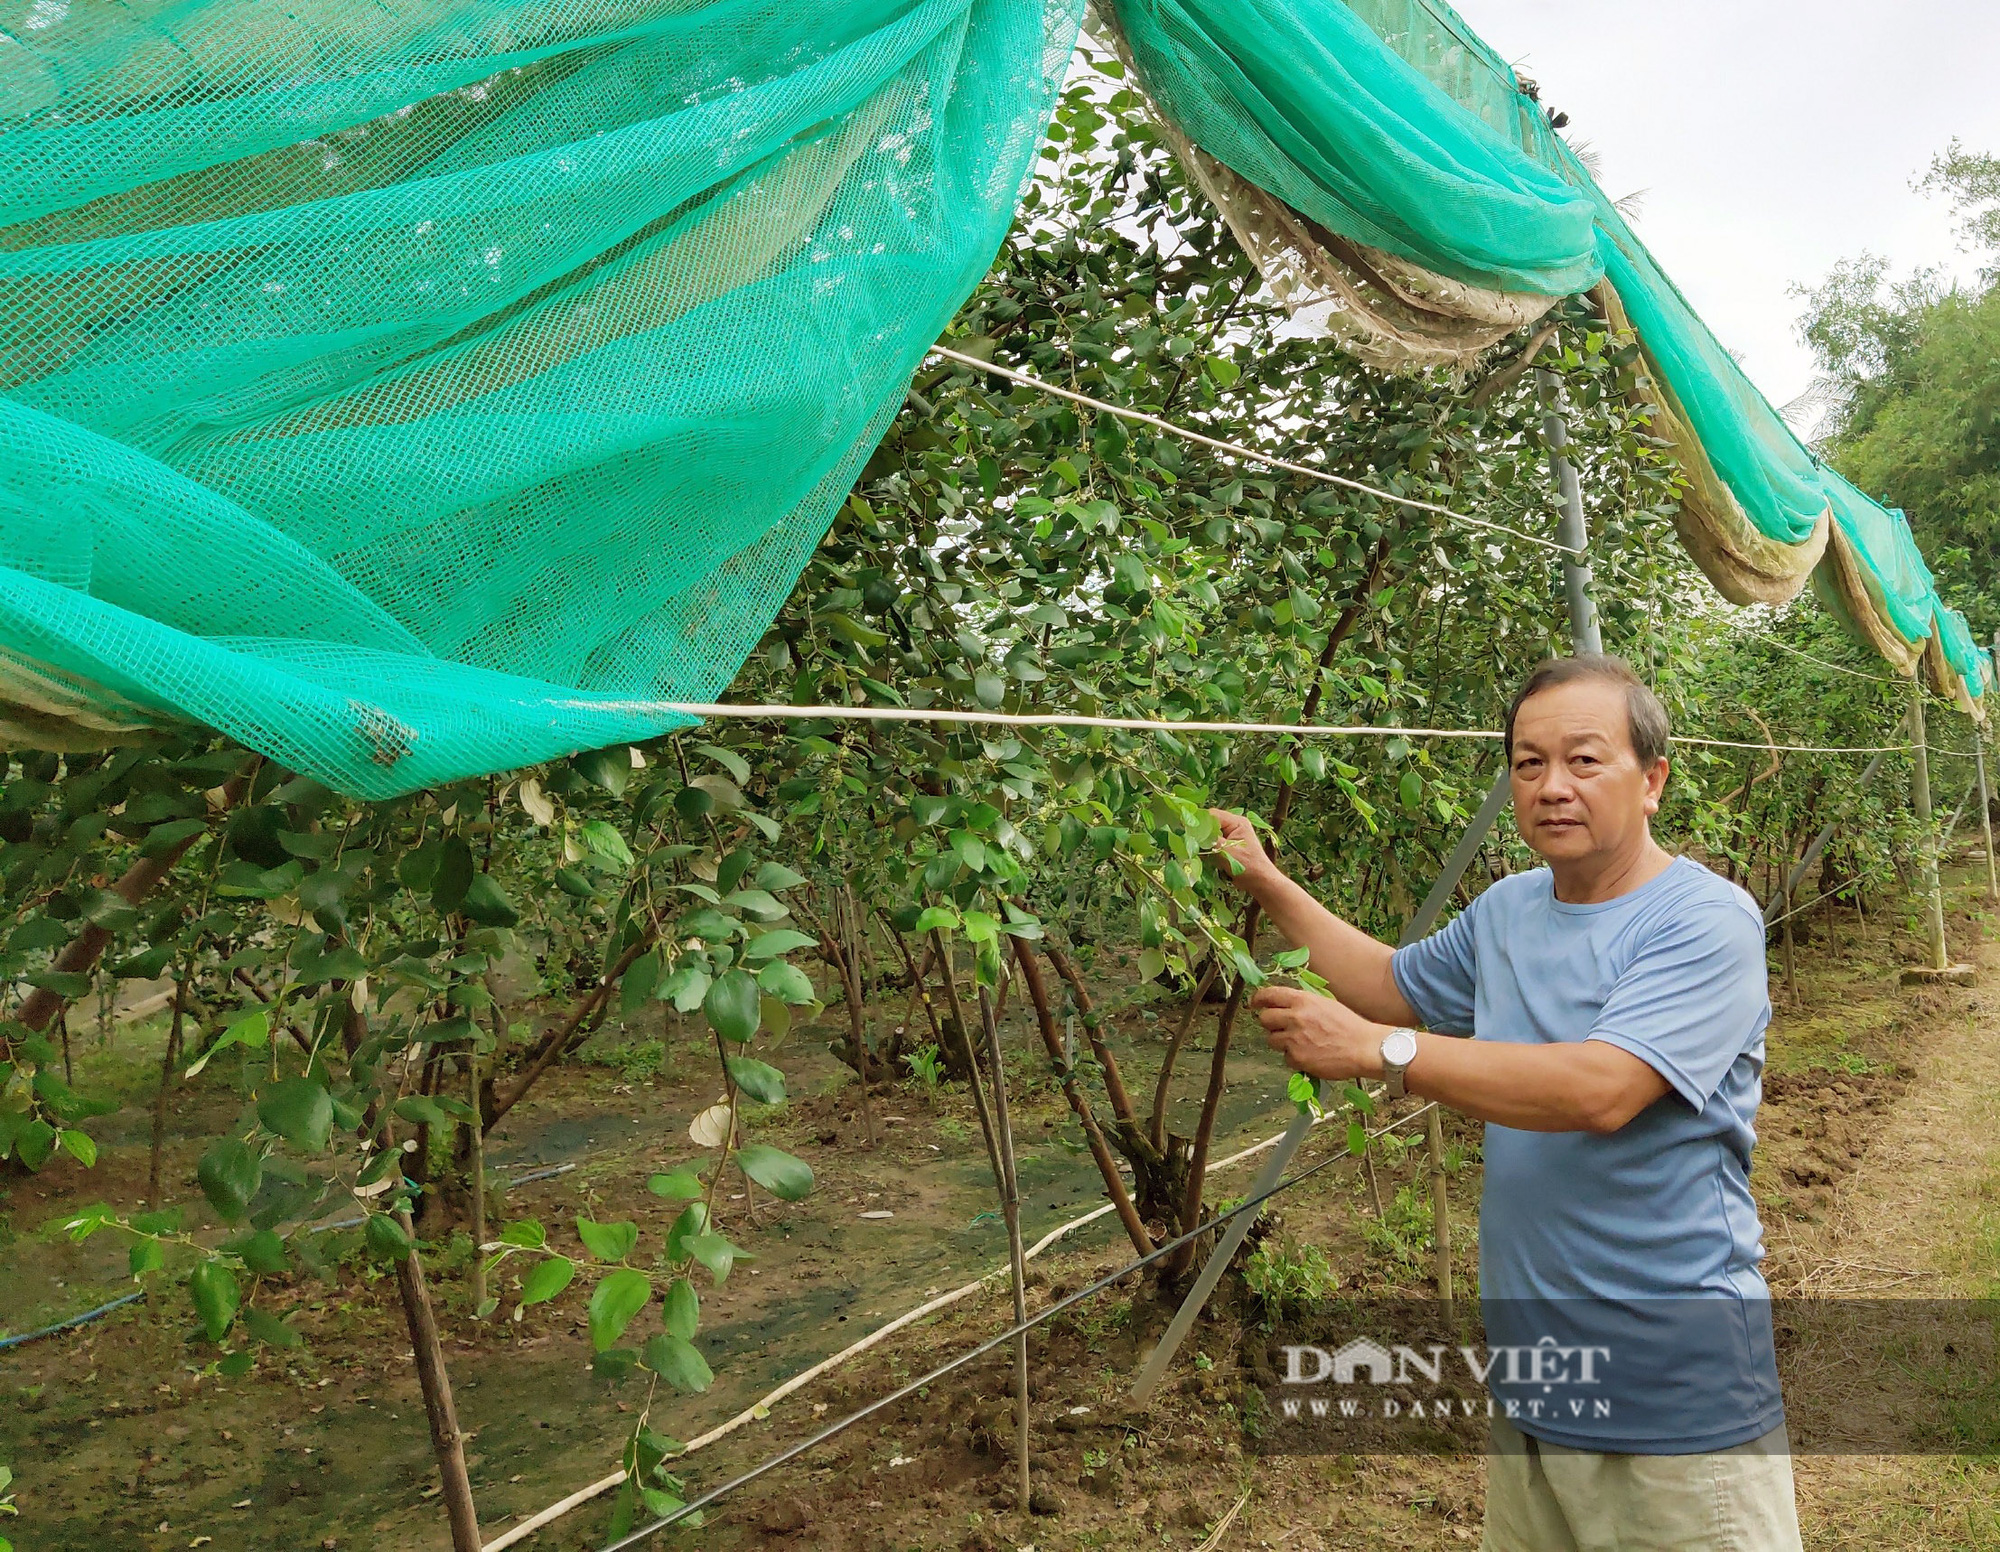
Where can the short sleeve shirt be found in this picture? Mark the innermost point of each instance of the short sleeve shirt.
(1591, 1234)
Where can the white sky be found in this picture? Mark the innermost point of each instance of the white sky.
(1773, 137)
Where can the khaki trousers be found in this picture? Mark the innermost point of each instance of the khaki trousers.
(1548, 1498)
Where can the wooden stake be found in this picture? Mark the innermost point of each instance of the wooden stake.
(447, 1443)
(1010, 1208)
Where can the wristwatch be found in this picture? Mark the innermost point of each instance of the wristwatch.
(1399, 1049)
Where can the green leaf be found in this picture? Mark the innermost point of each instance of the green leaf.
(692, 1221)
(936, 918)
(989, 689)
(717, 1254)
(617, 1297)
(788, 983)
(454, 875)
(732, 1006)
(761, 1081)
(677, 1185)
(610, 768)
(1357, 1138)
(787, 1178)
(775, 876)
(757, 904)
(78, 1145)
(1152, 964)
(163, 838)
(423, 1110)
(262, 1252)
(526, 1233)
(780, 940)
(270, 1330)
(605, 842)
(384, 1238)
(1223, 371)
(684, 989)
(229, 1173)
(677, 1362)
(607, 1241)
(146, 1256)
(253, 1029)
(300, 1110)
(235, 1365)
(681, 1309)
(488, 904)
(728, 759)
(216, 1296)
(547, 1280)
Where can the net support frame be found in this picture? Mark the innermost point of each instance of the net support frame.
(1920, 793)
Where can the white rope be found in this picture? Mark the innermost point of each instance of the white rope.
(1235, 450)
(1060, 719)
(1823, 663)
(1040, 719)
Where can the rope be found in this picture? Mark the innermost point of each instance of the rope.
(1773, 641)
(1237, 451)
(1040, 719)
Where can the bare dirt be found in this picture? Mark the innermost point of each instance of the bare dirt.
(1878, 1170)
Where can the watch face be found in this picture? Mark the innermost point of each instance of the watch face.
(1400, 1048)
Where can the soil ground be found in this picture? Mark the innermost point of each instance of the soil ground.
(1877, 1170)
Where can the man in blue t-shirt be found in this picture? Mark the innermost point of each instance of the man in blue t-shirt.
(1617, 1002)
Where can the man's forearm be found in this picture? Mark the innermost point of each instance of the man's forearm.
(1580, 1086)
(1354, 965)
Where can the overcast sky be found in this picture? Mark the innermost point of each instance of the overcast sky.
(1773, 137)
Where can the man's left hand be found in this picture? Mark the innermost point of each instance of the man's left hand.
(1318, 1036)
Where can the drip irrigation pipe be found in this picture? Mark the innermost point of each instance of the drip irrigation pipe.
(1236, 450)
(69, 1325)
(759, 1409)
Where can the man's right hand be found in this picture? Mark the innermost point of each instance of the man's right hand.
(1244, 861)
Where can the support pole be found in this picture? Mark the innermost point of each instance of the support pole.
(1440, 1209)
(1985, 813)
(1920, 783)
(1819, 844)
(1583, 632)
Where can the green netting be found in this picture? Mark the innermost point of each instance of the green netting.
(421, 388)
(1300, 98)
(424, 387)
(1390, 123)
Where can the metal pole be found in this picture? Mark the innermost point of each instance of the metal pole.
(1920, 784)
(1797, 875)
(1584, 637)
(1583, 632)
(1985, 811)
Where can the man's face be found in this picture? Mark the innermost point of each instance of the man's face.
(1579, 789)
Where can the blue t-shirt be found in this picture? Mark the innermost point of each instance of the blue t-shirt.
(1603, 1240)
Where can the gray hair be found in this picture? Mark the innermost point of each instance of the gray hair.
(1645, 717)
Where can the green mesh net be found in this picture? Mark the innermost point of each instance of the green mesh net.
(1389, 123)
(428, 387)
(422, 388)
